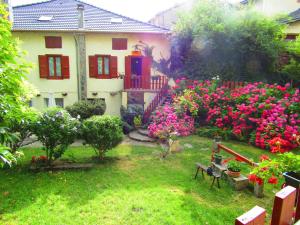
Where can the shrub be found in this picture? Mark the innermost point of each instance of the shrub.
(102, 133)
(86, 109)
(128, 115)
(56, 129)
(256, 113)
(22, 129)
(165, 122)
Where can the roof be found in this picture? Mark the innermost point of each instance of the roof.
(64, 15)
(294, 16)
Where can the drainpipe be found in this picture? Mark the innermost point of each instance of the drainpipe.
(81, 55)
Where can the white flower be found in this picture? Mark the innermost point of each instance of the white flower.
(78, 117)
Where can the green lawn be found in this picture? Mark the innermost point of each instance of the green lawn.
(132, 186)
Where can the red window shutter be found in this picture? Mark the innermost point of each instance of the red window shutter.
(93, 66)
(53, 42)
(127, 72)
(43, 66)
(119, 43)
(146, 72)
(113, 66)
(65, 67)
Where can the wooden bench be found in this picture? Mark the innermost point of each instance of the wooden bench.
(203, 168)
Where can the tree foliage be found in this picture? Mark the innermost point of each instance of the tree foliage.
(216, 39)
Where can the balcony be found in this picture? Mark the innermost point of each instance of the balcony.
(141, 83)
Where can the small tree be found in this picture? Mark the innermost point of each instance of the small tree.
(86, 109)
(56, 129)
(102, 133)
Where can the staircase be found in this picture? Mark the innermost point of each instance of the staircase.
(161, 98)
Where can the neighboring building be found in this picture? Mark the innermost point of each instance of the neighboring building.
(84, 52)
(169, 17)
(277, 7)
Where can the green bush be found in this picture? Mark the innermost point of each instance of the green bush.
(86, 109)
(212, 132)
(102, 133)
(56, 129)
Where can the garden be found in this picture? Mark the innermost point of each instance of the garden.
(85, 170)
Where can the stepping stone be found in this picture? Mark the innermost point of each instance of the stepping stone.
(188, 146)
(135, 135)
(144, 132)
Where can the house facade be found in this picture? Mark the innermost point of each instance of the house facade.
(279, 7)
(80, 51)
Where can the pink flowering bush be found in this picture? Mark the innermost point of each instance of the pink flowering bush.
(165, 121)
(257, 112)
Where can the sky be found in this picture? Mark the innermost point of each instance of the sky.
(138, 9)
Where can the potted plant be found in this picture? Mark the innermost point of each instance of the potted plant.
(137, 121)
(218, 159)
(234, 168)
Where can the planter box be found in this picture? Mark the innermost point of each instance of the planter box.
(292, 179)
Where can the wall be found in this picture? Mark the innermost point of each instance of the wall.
(272, 7)
(293, 28)
(34, 44)
(96, 43)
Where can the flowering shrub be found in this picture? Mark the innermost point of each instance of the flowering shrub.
(56, 129)
(165, 121)
(39, 161)
(256, 113)
(269, 170)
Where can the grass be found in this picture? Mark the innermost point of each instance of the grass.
(132, 186)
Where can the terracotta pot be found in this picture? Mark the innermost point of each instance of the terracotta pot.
(136, 53)
(233, 173)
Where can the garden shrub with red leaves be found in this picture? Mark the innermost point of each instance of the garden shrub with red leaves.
(166, 122)
(265, 115)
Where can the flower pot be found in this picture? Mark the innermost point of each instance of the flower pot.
(218, 160)
(136, 53)
(233, 174)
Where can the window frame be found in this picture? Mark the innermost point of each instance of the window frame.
(103, 75)
(54, 77)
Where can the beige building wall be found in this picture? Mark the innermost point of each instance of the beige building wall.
(96, 43)
(273, 7)
(34, 44)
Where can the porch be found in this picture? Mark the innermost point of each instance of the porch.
(144, 83)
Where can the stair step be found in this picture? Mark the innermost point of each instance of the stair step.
(143, 132)
(136, 136)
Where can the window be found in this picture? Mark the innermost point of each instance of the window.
(119, 43)
(54, 63)
(53, 42)
(291, 37)
(58, 102)
(103, 65)
(54, 67)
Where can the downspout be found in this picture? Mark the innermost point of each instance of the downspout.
(78, 68)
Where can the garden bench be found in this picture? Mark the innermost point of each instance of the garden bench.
(203, 168)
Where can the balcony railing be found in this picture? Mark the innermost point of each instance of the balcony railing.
(141, 83)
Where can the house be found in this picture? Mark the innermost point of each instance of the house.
(168, 18)
(81, 51)
(277, 7)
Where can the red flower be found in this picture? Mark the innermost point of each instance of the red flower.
(252, 177)
(264, 157)
(259, 181)
(273, 180)
(239, 159)
(43, 158)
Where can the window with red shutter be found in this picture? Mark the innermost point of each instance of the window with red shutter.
(119, 44)
(53, 42)
(43, 66)
(65, 67)
(54, 67)
(114, 66)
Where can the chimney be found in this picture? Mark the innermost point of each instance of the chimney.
(80, 8)
(9, 9)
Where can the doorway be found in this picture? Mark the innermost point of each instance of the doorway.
(136, 66)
